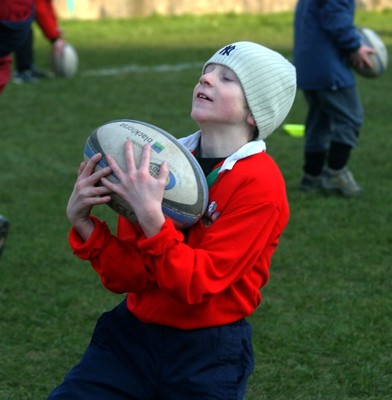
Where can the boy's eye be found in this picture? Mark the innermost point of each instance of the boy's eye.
(229, 76)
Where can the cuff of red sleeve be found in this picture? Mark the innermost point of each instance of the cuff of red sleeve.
(165, 238)
(93, 246)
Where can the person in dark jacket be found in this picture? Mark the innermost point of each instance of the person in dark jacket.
(326, 46)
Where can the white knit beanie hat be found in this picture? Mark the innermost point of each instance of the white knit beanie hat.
(267, 78)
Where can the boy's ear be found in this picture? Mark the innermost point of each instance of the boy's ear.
(250, 120)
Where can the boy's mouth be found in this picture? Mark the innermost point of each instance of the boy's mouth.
(203, 96)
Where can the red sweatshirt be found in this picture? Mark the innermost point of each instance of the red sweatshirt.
(213, 274)
(15, 10)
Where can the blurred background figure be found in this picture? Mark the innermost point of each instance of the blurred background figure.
(16, 17)
(4, 225)
(46, 18)
(326, 43)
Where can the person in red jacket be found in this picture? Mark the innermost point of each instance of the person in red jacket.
(46, 18)
(181, 332)
(16, 17)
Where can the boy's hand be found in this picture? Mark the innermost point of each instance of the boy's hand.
(87, 193)
(361, 58)
(143, 192)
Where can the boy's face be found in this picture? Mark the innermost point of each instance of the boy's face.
(218, 97)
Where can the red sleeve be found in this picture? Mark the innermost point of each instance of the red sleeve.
(117, 261)
(47, 20)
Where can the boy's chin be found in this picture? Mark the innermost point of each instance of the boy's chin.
(199, 116)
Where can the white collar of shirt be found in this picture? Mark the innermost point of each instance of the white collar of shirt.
(256, 146)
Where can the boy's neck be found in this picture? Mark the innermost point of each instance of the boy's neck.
(222, 144)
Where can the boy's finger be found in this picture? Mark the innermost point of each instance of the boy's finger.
(146, 155)
(129, 156)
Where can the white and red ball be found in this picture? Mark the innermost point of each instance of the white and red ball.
(65, 60)
(186, 193)
(379, 59)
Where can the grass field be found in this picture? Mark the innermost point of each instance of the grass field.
(324, 329)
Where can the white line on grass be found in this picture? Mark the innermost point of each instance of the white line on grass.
(139, 68)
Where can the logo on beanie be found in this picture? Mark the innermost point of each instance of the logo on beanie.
(227, 50)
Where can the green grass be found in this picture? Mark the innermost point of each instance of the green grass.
(324, 329)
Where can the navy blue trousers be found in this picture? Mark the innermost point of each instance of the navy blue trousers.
(13, 34)
(333, 116)
(129, 360)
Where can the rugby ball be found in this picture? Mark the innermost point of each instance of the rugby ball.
(186, 193)
(64, 59)
(379, 58)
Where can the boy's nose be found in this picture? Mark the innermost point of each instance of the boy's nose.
(206, 79)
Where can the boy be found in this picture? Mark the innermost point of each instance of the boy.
(181, 333)
(46, 18)
(325, 49)
(15, 21)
